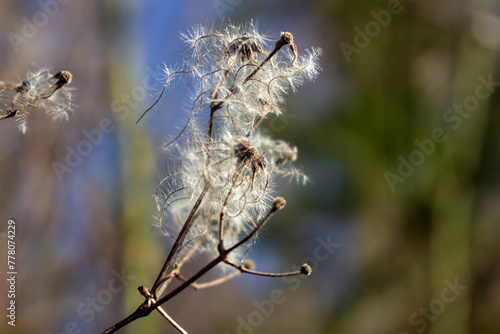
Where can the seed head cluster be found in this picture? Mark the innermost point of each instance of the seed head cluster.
(41, 90)
(226, 167)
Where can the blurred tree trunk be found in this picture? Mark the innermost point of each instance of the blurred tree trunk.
(141, 256)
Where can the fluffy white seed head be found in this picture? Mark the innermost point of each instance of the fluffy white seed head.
(226, 167)
(240, 74)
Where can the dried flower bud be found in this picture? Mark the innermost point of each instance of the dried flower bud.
(244, 150)
(287, 38)
(63, 77)
(249, 264)
(279, 203)
(306, 269)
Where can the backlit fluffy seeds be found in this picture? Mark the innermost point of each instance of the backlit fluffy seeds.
(220, 196)
(222, 187)
(40, 90)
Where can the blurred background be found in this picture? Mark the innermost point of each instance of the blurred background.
(399, 136)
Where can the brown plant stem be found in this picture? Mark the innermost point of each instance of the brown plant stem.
(286, 39)
(151, 303)
(224, 206)
(10, 113)
(243, 269)
(150, 300)
(171, 320)
(199, 286)
(156, 290)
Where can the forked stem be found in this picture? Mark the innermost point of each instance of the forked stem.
(151, 303)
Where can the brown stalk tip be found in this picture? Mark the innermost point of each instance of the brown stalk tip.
(287, 38)
(306, 269)
(63, 77)
(249, 264)
(279, 203)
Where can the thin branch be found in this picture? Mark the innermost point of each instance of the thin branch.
(199, 286)
(304, 270)
(286, 39)
(142, 311)
(177, 244)
(10, 113)
(152, 303)
(224, 206)
(148, 306)
(278, 204)
(178, 72)
(171, 320)
(191, 280)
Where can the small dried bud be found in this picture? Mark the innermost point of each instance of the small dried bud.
(244, 150)
(279, 203)
(252, 152)
(287, 38)
(63, 77)
(306, 269)
(249, 264)
(144, 291)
